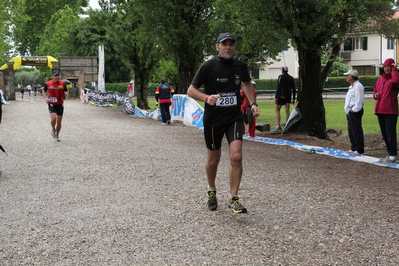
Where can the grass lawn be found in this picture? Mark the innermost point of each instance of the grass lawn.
(335, 115)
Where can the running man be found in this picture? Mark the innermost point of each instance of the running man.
(222, 77)
(54, 93)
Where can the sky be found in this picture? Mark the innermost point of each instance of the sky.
(94, 4)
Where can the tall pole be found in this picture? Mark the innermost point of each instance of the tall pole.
(101, 78)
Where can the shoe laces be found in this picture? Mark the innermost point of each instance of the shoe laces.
(212, 196)
(236, 202)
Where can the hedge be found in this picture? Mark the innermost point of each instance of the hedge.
(334, 82)
(122, 87)
(261, 84)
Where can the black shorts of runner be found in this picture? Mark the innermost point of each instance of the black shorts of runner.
(282, 100)
(214, 135)
(56, 108)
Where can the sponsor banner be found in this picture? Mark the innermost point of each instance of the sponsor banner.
(156, 114)
(186, 109)
(108, 98)
(324, 151)
(183, 108)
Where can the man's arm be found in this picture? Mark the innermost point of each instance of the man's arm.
(44, 93)
(194, 92)
(250, 92)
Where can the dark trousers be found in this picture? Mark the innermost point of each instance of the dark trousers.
(355, 131)
(388, 129)
(165, 113)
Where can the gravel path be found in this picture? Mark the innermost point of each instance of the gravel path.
(123, 190)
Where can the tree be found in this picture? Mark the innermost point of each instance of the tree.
(6, 12)
(389, 27)
(136, 44)
(57, 40)
(254, 44)
(28, 76)
(31, 19)
(168, 70)
(337, 69)
(182, 29)
(88, 34)
(316, 29)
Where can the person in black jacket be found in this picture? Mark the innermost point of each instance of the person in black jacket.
(163, 93)
(285, 87)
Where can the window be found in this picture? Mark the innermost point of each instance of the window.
(348, 44)
(365, 70)
(284, 47)
(359, 43)
(390, 43)
(355, 44)
(255, 73)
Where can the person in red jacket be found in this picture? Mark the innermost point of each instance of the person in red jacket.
(249, 119)
(385, 95)
(54, 93)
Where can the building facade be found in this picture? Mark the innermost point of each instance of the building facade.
(363, 51)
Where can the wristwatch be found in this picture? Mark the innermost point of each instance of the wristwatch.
(254, 104)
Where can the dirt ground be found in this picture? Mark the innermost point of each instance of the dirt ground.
(124, 190)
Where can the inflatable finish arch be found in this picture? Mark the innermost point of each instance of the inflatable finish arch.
(31, 61)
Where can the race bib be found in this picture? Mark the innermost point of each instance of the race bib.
(227, 100)
(53, 99)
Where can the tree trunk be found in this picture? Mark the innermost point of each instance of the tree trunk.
(310, 98)
(141, 82)
(186, 75)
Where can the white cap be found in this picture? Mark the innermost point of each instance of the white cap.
(352, 72)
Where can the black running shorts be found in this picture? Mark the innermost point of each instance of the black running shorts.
(56, 108)
(282, 100)
(214, 135)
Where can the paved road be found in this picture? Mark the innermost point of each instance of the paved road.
(122, 190)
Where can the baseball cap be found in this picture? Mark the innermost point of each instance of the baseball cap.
(285, 68)
(352, 72)
(55, 72)
(225, 36)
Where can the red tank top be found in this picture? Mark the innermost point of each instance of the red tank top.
(55, 91)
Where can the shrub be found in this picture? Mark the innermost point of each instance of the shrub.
(340, 82)
(122, 87)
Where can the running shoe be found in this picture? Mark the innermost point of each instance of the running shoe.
(235, 206)
(212, 201)
(276, 129)
(53, 134)
(57, 138)
(387, 160)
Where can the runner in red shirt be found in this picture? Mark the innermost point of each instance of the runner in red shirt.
(54, 93)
